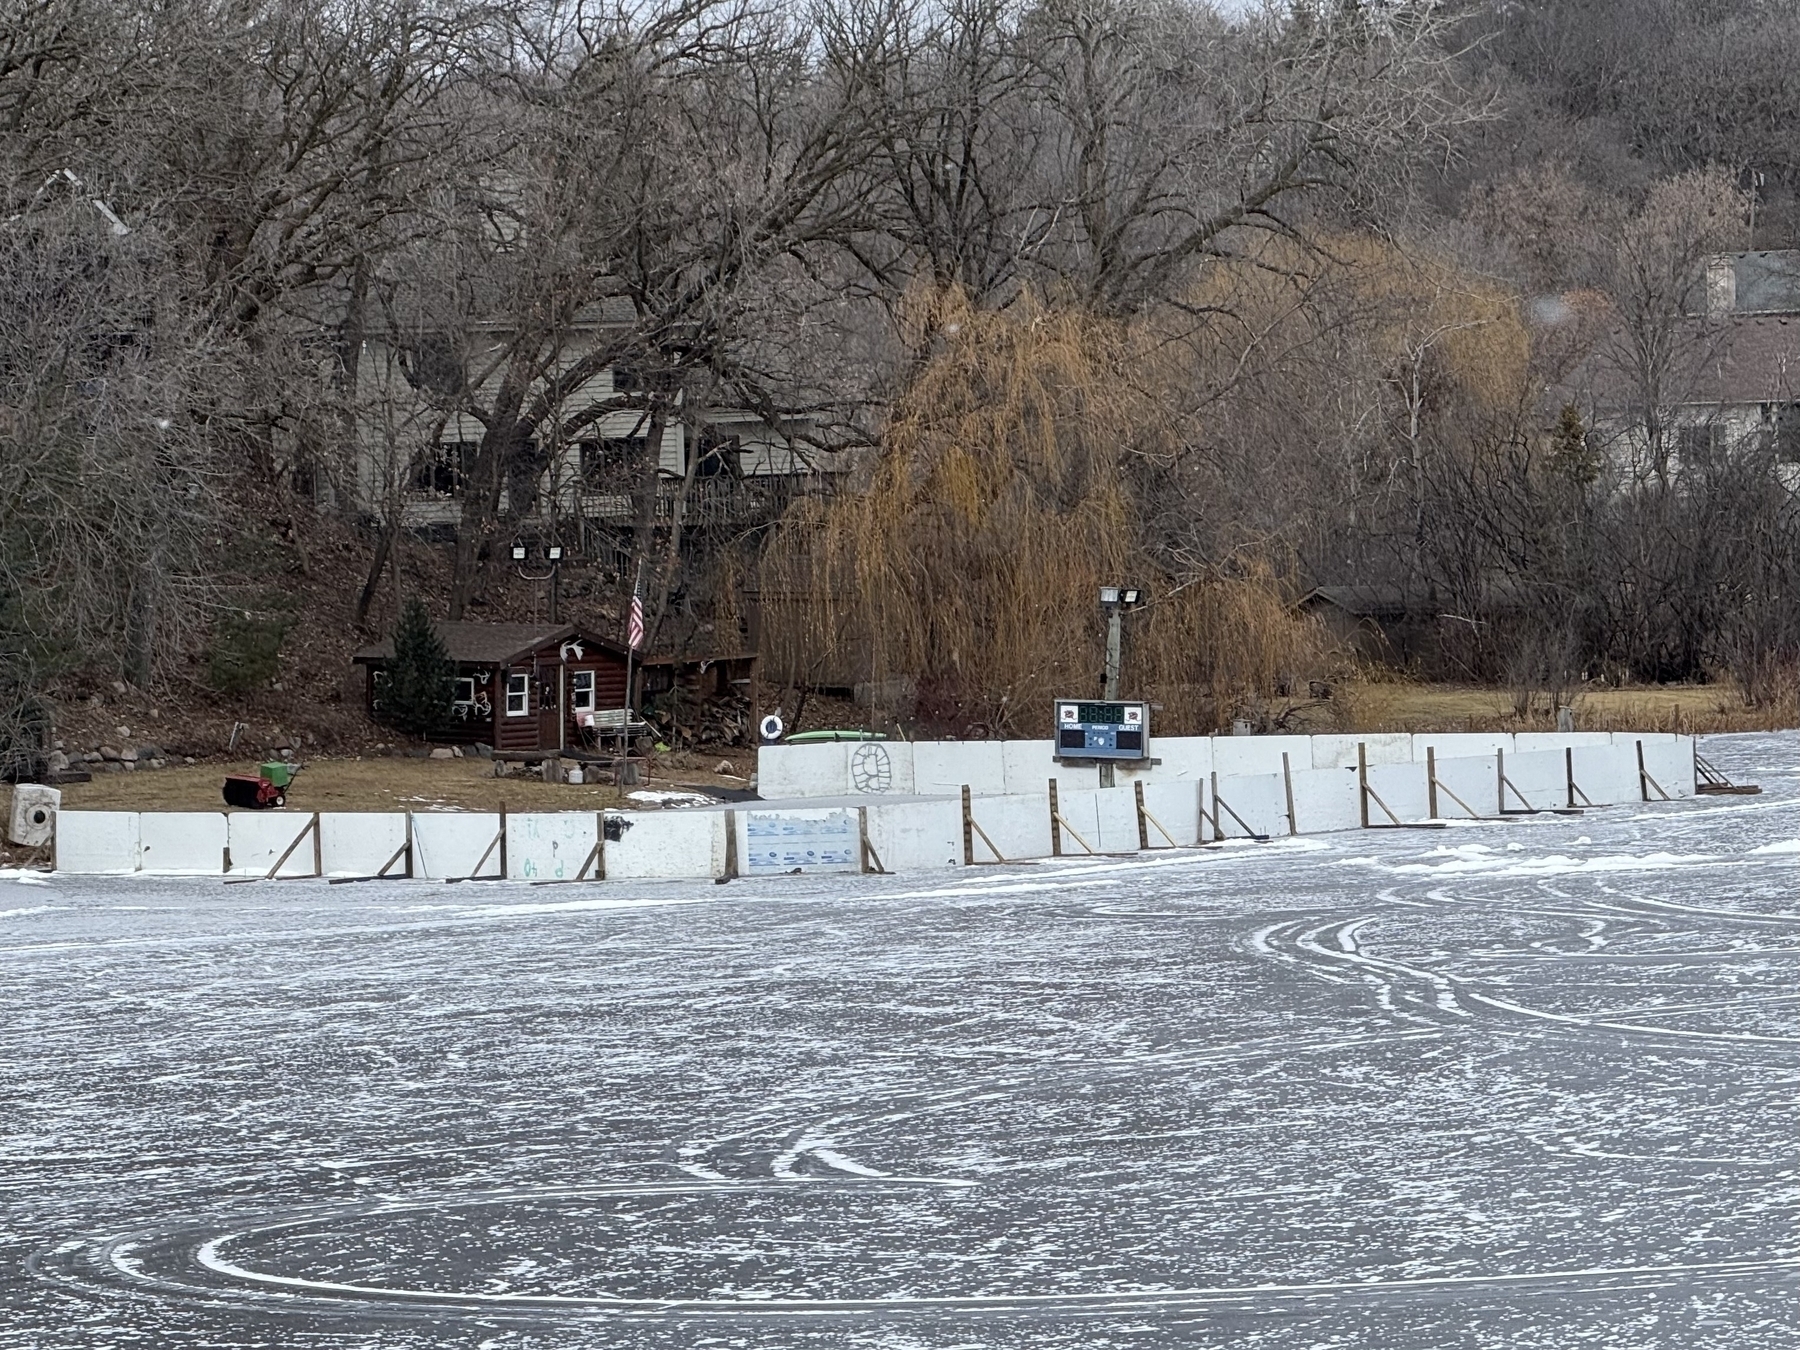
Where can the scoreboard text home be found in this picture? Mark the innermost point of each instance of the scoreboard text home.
(1101, 730)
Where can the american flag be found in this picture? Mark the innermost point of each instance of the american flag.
(634, 627)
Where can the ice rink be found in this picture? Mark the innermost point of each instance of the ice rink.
(1521, 1084)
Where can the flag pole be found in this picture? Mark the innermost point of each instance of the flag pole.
(631, 647)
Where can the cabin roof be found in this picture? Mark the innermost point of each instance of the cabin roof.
(493, 644)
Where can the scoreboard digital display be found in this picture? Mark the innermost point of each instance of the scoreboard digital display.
(1102, 730)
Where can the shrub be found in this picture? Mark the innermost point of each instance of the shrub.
(245, 652)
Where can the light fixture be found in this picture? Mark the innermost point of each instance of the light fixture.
(1133, 595)
(1109, 595)
(554, 552)
(518, 552)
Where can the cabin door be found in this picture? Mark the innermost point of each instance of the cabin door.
(550, 705)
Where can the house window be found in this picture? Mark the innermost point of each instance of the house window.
(1700, 446)
(442, 468)
(609, 461)
(581, 691)
(465, 690)
(1787, 433)
(518, 695)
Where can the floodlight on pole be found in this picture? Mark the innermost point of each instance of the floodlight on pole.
(1109, 595)
(518, 553)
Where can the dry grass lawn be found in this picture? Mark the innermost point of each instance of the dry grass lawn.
(1437, 707)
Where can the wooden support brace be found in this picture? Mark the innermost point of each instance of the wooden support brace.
(311, 827)
(1645, 781)
(865, 850)
(1137, 792)
(1287, 783)
(1073, 831)
(968, 824)
(1055, 824)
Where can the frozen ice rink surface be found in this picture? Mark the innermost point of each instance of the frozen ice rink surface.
(1532, 1084)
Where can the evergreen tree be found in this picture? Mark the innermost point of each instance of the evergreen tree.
(420, 678)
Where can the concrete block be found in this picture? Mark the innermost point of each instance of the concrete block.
(1468, 787)
(1184, 759)
(1461, 744)
(451, 843)
(1115, 811)
(665, 845)
(189, 842)
(34, 809)
(359, 843)
(1671, 763)
(771, 843)
(1248, 756)
(1606, 774)
(1559, 740)
(1028, 766)
(97, 841)
(880, 768)
(258, 838)
(1339, 752)
(1018, 823)
(916, 836)
(1259, 801)
(784, 771)
(1175, 805)
(1079, 810)
(1325, 800)
(1539, 777)
(943, 767)
(1402, 787)
(549, 845)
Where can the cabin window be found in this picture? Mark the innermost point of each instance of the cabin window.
(465, 690)
(581, 691)
(518, 695)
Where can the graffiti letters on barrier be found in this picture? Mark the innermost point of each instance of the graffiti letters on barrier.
(783, 841)
(871, 769)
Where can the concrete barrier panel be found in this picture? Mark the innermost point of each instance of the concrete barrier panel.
(359, 843)
(1540, 777)
(943, 767)
(1247, 756)
(450, 843)
(1083, 818)
(1115, 810)
(258, 838)
(1468, 787)
(1018, 823)
(1461, 744)
(1671, 763)
(96, 841)
(802, 770)
(879, 768)
(549, 845)
(1606, 774)
(1325, 800)
(1176, 807)
(1339, 752)
(665, 845)
(1184, 759)
(916, 836)
(1028, 766)
(187, 842)
(775, 843)
(1260, 800)
(1402, 787)
(1559, 740)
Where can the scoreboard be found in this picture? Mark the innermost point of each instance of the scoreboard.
(1100, 729)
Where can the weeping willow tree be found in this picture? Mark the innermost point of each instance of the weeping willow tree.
(969, 558)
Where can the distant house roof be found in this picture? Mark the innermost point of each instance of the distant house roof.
(492, 644)
(1362, 601)
(1766, 282)
(1733, 359)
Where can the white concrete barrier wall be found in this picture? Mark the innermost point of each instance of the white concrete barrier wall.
(774, 843)
(1468, 788)
(942, 768)
(1670, 762)
(451, 843)
(1339, 752)
(880, 768)
(360, 843)
(258, 838)
(784, 771)
(665, 845)
(1184, 759)
(1537, 780)
(96, 841)
(1605, 774)
(1176, 807)
(1115, 810)
(1326, 800)
(550, 845)
(1082, 818)
(916, 836)
(1249, 756)
(1028, 766)
(187, 842)
(1259, 800)
(1019, 825)
(1461, 744)
(1559, 740)
(1403, 788)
